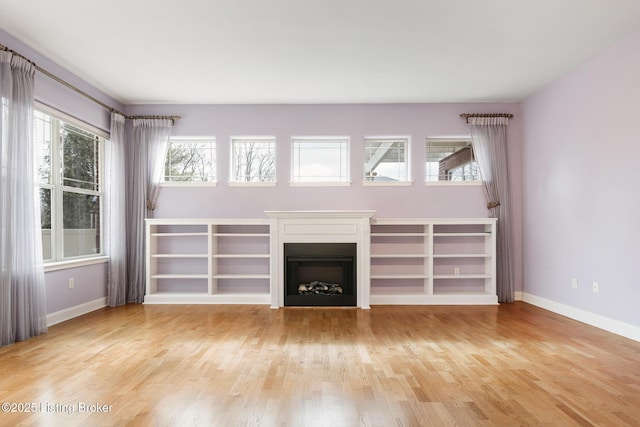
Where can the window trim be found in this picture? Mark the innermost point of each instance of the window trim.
(57, 189)
(335, 138)
(213, 183)
(409, 179)
(267, 138)
(446, 138)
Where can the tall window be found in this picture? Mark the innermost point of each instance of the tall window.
(253, 160)
(190, 160)
(320, 160)
(386, 160)
(70, 182)
(450, 159)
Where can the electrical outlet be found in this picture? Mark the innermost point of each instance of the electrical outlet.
(456, 271)
(596, 287)
(574, 283)
(72, 283)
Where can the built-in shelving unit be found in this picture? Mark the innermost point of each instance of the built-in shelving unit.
(433, 261)
(399, 261)
(208, 261)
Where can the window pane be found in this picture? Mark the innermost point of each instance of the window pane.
(81, 224)
(386, 160)
(322, 160)
(253, 160)
(450, 160)
(45, 223)
(80, 151)
(190, 161)
(42, 137)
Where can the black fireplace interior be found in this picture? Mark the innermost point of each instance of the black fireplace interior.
(320, 274)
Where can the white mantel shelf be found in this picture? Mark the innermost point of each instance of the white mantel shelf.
(320, 214)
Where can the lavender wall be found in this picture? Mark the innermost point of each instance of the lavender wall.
(581, 194)
(90, 281)
(89, 285)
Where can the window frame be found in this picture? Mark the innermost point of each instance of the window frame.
(325, 138)
(447, 138)
(406, 139)
(194, 139)
(58, 189)
(248, 138)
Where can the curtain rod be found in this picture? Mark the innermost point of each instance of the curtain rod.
(467, 115)
(81, 92)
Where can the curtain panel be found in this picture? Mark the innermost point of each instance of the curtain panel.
(22, 287)
(117, 233)
(144, 172)
(489, 139)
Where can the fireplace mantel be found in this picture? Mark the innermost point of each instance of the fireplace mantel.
(326, 226)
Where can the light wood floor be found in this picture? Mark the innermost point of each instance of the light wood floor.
(389, 366)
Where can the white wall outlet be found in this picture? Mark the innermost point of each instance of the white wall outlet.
(574, 283)
(596, 287)
(72, 283)
(456, 271)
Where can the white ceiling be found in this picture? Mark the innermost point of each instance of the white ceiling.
(319, 51)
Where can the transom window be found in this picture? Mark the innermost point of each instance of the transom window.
(320, 160)
(70, 186)
(450, 160)
(386, 159)
(253, 160)
(191, 160)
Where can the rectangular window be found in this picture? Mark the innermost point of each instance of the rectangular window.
(70, 184)
(450, 160)
(386, 160)
(320, 160)
(190, 160)
(253, 160)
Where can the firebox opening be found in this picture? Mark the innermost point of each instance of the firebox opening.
(320, 274)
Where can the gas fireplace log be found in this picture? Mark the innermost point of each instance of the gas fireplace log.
(319, 288)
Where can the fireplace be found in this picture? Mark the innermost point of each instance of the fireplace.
(320, 274)
(323, 238)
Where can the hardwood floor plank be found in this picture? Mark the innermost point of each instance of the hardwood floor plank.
(174, 365)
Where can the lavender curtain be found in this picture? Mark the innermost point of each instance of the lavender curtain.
(117, 232)
(22, 288)
(489, 139)
(144, 173)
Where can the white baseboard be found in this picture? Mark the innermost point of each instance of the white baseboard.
(78, 310)
(609, 325)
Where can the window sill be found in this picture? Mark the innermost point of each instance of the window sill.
(453, 183)
(387, 183)
(252, 184)
(63, 265)
(188, 184)
(320, 184)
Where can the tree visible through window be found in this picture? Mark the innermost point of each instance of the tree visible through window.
(190, 161)
(253, 160)
(69, 170)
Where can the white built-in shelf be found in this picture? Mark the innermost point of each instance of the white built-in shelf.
(462, 255)
(249, 256)
(178, 234)
(433, 261)
(208, 261)
(179, 276)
